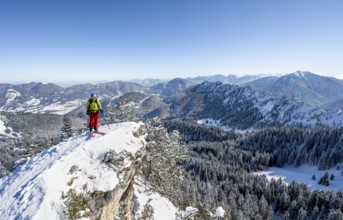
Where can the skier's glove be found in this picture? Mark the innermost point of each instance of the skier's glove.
(101, 111)
(87, 112)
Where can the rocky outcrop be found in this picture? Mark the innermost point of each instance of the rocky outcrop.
(111, 208)
(106, 205)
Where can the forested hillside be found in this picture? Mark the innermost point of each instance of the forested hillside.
(33, 133)
(220, 172)
(295, 146)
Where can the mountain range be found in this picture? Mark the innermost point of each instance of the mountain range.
(299, 88)
(38, 97)
(310, 88)
(243, 107)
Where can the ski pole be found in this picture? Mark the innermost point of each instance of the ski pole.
(105, 120)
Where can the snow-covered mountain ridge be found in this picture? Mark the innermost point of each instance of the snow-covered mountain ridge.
(51, 98)
(101, 168)
(312, 89)
(243, 107)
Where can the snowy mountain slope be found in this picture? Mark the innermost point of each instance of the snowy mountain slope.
(171, 87)
(148, 82)
(139, 105)
(310, 88)
(50, 98)
(5, 130)
(227, 79)
(338, 104)
(179, 85)
(243, 107)
(34, 190)
(157, 85)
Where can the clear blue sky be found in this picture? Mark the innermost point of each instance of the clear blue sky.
(87, 41)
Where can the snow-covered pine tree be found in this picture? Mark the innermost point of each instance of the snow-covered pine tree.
(148, 212)
(122, 112)
(67, 130)
(161, 166)
(324, 178)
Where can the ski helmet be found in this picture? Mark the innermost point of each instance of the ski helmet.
(93, 95)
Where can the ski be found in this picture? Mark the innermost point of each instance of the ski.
(89, 135)
(101, 133)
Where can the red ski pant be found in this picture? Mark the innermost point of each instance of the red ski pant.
(93, 120)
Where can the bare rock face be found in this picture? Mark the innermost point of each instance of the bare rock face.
(111, 208)
(106, 205)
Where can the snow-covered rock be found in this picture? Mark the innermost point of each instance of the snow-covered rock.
(80, 165)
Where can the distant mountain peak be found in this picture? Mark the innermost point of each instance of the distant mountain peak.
(306, 75)
(301, 74)
(311, 88)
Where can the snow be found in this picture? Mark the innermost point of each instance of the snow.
(209, 121)
(3, 128)
(303, 174)
(189, 211)
(33, 190)
(59, 108)
(163, 208)
(35, 105)
(268, 106)
(32, 102)
(220, 212)
(216, 123)
(300, 74)
(11, 94)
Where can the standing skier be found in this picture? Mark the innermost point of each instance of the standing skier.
(93, 107)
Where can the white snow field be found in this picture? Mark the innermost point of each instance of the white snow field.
(303, 174)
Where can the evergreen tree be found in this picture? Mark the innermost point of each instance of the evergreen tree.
(302, 214)
(162, 163)
(286, 216)
(324, 179)
(122, 112)
(335, 214)
(67, 130)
